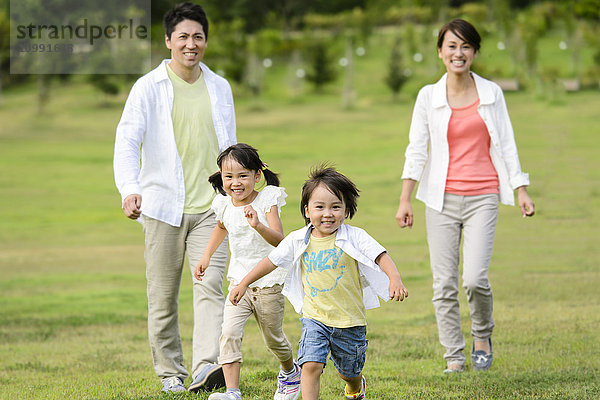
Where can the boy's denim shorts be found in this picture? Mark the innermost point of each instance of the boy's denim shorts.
(346, 345)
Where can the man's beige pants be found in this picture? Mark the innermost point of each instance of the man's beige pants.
(166, 247)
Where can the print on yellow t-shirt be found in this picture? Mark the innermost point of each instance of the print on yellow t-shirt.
(331, 282)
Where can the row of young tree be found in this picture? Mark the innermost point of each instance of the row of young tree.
(327, 40)
(315, 37)
(289, 15)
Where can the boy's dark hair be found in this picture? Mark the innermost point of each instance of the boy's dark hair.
(183, 11)
(336, 182)
(247, 156)
(464, 30)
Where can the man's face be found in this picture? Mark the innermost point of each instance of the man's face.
(187, 44)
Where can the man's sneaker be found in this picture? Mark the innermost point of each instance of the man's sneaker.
(454, 368)
(173, 384)
(229, 395)
(288, 386)
(357, 396)
(482, 361)
(210, 378)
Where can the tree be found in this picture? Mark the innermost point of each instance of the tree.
(321, 64)
(107, 84)
(532, 25)
(349, 94)
(229, 47)
(395, 78)
(4, 47)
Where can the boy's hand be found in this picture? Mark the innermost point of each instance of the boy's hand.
(251, 216)
(200, 268)
(397, 290)
(237, 293)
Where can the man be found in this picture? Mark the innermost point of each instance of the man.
(176, 120)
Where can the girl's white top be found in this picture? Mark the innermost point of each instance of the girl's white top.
(246, 246)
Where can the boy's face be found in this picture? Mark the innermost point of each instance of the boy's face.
(325, 211)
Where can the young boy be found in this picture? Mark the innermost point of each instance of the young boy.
(335, 272)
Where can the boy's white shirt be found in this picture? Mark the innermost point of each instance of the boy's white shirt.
(355, 242)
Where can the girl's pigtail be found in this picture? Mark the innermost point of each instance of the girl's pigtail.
(271, 177)
(217, 182)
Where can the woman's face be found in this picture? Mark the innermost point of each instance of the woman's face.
(456, 54)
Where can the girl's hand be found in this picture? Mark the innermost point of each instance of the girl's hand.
(404, 215)
(397, 290)
(201, 267)
(525, 203)
(237, 293)
(251, 216)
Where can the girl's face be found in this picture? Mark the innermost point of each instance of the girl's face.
(456, 54)
(325, 211)
(239, 182)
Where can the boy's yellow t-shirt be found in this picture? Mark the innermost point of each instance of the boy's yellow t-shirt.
(196, 141)
(331, 282)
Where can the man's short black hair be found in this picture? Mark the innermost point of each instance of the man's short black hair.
(184, 11)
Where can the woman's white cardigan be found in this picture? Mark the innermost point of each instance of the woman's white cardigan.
(427, 154)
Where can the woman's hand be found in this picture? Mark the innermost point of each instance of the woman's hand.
(404, 215)
(525, 203)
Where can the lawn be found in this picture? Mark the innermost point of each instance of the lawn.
(72, 283)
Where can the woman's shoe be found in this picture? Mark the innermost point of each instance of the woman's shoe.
(482, 361)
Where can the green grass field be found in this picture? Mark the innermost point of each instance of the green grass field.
(72, 275)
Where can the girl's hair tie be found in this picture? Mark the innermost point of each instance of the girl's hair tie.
(264, 166)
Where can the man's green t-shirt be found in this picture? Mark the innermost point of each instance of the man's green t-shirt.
(196, 141)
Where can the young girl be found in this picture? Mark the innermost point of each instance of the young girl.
(251, 219)
(334, 272)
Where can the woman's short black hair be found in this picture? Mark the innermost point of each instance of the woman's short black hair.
(184, 11)
(336, 182)
(464, 30)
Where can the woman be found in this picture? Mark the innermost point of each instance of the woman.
(463, 152)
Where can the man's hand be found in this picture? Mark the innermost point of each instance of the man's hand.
(132, 206)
